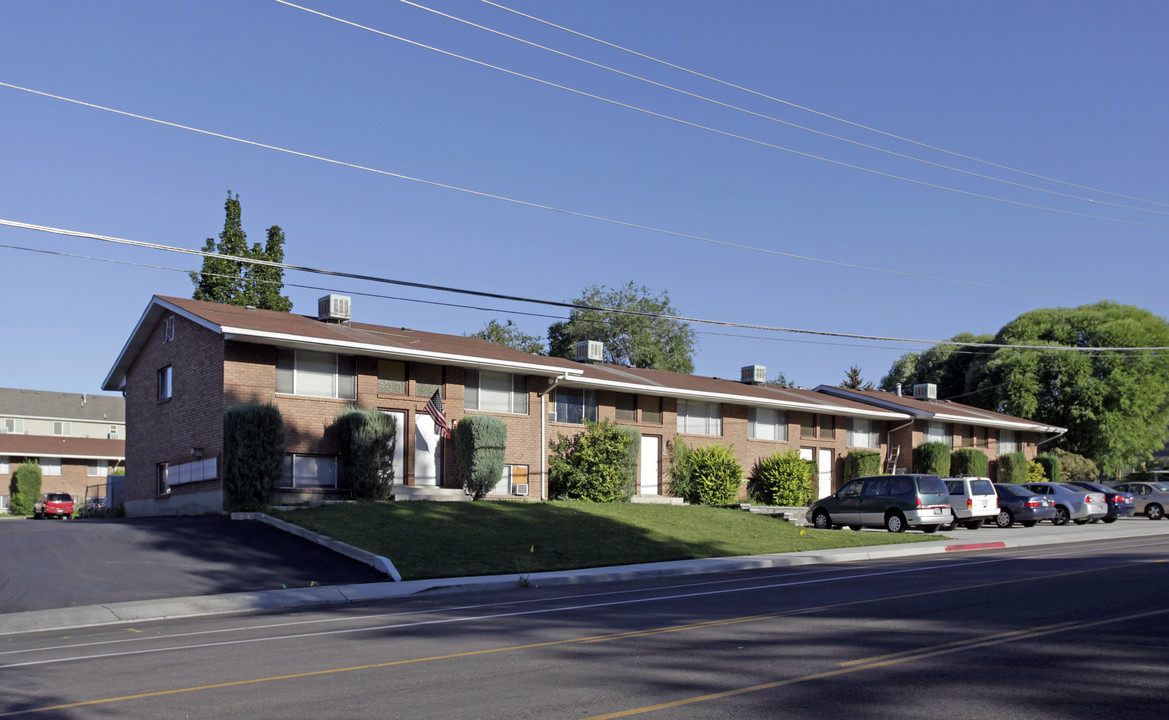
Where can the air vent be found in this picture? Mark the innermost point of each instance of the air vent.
(925, 391)
(333, 308)
(520, 489)
(590, 351)
(753, 374)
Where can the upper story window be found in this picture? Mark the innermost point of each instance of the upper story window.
(427, 379)
(62, 427)
(812, 426)
(316, 374)
(862, 433)
(766, 424)
(12, 425)
(98, 468)
(651, 410)
(575, 405)
(50, 466)
(938, 432)
(168, 329)
(497, 392)
(165, 383)
(700, 418)
(391, 377)
(113, 432)
(1007, 442)
(626, 406)
(4, 465)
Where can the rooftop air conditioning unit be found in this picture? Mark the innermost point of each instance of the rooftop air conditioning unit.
(333, 308)
(520, 489)
(753, 374)
(925, 391)
(590, 351)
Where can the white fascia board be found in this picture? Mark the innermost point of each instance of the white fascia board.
(308, 343)
(995, 423)
(891, 405)
(729, 398)
(62, 456)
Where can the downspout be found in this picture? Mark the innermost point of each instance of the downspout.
(544, 434)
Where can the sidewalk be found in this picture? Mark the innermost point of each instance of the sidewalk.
(960, 540)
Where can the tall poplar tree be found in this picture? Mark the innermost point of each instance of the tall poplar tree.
(235, 282)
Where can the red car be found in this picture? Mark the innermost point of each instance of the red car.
(53, 505)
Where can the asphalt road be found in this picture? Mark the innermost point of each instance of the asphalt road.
(67, 563)
(1055, 631)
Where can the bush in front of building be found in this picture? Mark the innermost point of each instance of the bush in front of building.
(253, 455)
(24, 489)
(1013, 468)
(861, 463)
(1051, 467)
(480, 446)
(596, 465)
(1075, 468)
(705, 475)
(932, 458)
(367, 440)
(1035, 472)
(784, 479)
(969, 461)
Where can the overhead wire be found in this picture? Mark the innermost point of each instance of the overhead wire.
(819, 113)
(539, 301)
(764, 116)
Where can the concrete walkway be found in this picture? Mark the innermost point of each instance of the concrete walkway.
(1138, 530)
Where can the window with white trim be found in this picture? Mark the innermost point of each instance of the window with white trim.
(62, 427)
(50, 466)
(1007, 442)
(12, 425)
(574, 405)
(4, 467)
(938, 432)
(168, 329)
(496, 392)
(310, 472)
(766, 424)
(113, 432)
(696, 417)
(512, 475)
(316, 374)
(98, 468)
(165, 383)
(862, 433)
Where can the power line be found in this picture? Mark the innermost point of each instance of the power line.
(537, 301)
(764, 116)
(818, 112)
(550, 208)
(708, 128)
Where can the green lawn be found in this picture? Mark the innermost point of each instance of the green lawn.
(453, 539)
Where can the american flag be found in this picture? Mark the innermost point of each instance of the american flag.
(434, 410)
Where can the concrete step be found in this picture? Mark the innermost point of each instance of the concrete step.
(656, 500)
(431, 493)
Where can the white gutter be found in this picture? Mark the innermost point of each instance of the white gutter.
(544, 434)
(1057, 436)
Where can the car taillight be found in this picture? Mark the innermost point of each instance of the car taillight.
(1033, 503)
(969, 503)
(918, 501)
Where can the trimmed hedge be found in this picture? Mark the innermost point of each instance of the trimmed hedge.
(1076, 467)
(932, 458)
(367, 440)
(705, 475)
(1012, 468)
(1051, 467)
(253, 455)
(861, 463)
(596, 465)
(784, 479)
(480, 445)
(24, 489)
(969, 461)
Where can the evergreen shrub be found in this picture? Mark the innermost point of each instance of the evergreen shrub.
(932, 458)
(783, 479)
(1051, 467)
(480, 445)
(596, 465)
(367, 440)
(969, 461)
(705, 475)
(861, 463)
(253, 455)
(24, 489)
(1012, 468)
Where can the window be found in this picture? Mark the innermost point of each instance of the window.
(1007, 442)
(823, 426)
(699, 418)
(651, 410)
(512, 475)
(160, 484)
(496, 392)
(391, 377)
(309, 471)
(981, 437)
(168, 329)
(827, 427)
(967, 436)
(807, 426)
(50, 466)
(316, 374)
(113, 432)
(165, 383)
(766, 424)
(4, 466)
(626, 407)
(938, 432)
(62, 428)
(574, 405)
(863, 433)
(427, 379)
(98, 468)
(12, 425)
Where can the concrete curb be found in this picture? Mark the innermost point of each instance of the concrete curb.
(378, 562)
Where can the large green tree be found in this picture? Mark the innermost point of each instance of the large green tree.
(235, 282)
(509, 335)
(645, 340)
(947, 366)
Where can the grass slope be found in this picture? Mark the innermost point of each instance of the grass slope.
(437, 539)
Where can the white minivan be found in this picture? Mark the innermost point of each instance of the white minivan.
(973, 501)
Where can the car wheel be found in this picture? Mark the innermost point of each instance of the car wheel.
(895, 523)
(1028, 523)
(854, 528)
(1109, 520)
(1004, 519)
(927, 529)
(1081, 521)
(821, 521)
(973, 524)
(1061, 516)
(1153, 511)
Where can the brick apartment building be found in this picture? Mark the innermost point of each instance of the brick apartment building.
(187, 361)
(78, 439)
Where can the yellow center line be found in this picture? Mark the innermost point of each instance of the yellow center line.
(843, 668)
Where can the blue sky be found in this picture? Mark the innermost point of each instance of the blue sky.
(1069, 91)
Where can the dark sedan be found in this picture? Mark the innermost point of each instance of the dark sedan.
(1120, 503)
(1017, 504)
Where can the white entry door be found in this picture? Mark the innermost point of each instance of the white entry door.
(427, 451)
(824, 462)
(648, 458)
(399, 446)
